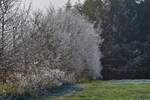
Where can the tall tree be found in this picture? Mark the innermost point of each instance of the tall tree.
(8, 11)
(125, 31)
(68, 5)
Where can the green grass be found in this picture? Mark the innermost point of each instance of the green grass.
(99, 90)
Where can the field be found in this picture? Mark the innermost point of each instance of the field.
(110, 90)
(94, 90)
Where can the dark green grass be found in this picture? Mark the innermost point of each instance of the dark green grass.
(100, 90)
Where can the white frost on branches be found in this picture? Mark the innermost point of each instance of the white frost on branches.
(80, 38)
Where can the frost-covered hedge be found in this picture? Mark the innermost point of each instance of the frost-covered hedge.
(36, 82)
(55, 48)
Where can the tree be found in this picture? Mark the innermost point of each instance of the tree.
(69, 43)
(83, 44)
(124, 29)
(129, 45)
(68, 5)
(8, 13)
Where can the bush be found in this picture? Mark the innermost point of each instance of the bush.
(36, 82)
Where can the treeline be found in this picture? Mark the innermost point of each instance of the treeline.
(126, 32)
(40, 50)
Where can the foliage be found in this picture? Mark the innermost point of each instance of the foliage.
(37, 82)
(125, 31)
(49, 49)
(7, 89)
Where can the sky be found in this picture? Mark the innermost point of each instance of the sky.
(42, 4)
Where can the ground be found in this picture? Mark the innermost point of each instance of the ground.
(95, 90)
(111, 90)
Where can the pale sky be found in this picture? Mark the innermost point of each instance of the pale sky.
(42, 4)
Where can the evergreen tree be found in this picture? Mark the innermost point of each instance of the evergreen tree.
(125, 29)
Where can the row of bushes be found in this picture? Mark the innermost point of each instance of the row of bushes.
(48, 49)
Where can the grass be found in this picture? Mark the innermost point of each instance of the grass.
(100, 90)
(6, 89)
